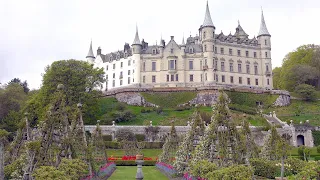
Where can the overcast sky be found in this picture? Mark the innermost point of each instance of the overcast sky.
(34, 33)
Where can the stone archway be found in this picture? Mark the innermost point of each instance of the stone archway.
(300, 140)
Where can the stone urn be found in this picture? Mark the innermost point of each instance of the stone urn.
(139, 157)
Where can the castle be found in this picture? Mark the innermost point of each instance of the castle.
(208, 59)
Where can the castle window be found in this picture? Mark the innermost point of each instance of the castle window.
(248, 68)
(128, 80)
(240, 80)
(113, 83)
(177, 77)
(205, 76)
(133, 61)
(144, 66)
(172, 64)
(153, 66)
(201, 78)
(171, 50)
(257, 82)
(154, 51)
(268, 82)
(239, 52)
(265, 42)
(132, 79)
(114, 75)
(217, 79)
(191, 77)
(267, 68)
(222, 78)
(167, 77)
(204, 35)
(248, 81)
(222, 66)
(247, 53)
(107, 77)
(153, 79)
(255, 54)
(216, 65)
(121, 75)
(201, 65)
(205, 48)
(128, 72)
(133, 71)
(222, 50)
(230, 52)
(256, 70)
(114, 66)
(172, 77)
(107, 67)
(129, 62)
(239, 68)
(121, 82)
(144, 79)
(121, 64)
(191, 50)
(190, 65)
(205, 62)
(231, 79)
(215, 50)
(231, 67)
(266, 54)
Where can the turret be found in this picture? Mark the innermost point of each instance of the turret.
(207, 31)
(264, 40)
(90, 57)
(136, 45)
(183, 45)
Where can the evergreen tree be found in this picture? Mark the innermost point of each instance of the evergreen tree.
(188, 144)
(170, 146)
(269, 149)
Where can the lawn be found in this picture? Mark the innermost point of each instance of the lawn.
(145, 152)
(129, 172)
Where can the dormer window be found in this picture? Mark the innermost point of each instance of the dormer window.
(154, 51)
(110, 58)
(191, 50)
(171, 50)
(125, 55)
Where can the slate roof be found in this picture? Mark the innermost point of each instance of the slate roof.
(207, 18)
(263, 27)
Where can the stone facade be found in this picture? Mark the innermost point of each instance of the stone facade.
(206, 59)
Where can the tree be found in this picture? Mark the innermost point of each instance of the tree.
(306, 91)
(269, 149)
(3, 139)
(23, 84)
(186, 147)
(170, 146)
(283, 147)
(276, 77)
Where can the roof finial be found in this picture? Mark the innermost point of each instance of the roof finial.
(238, 22)
(183, 43)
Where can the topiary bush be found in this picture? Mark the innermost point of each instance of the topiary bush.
(264, 168)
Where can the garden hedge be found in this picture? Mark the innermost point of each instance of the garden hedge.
(133, 163)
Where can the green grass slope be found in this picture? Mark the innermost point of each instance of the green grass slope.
(169, 100)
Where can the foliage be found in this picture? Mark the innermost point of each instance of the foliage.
(140, 137)
(306, 91)
(125, 134)
(311, 170)
(202, 168)
(316, 137)
(23, 84)
(186, 147)
(124, 116)
(169, 100)
(170, 146)
(296, 165)
(299, 67)
(236, 172)
(243, 108)
(264, 168)
(269, 149)
(250, 99)
(71, 169)
(304, 153)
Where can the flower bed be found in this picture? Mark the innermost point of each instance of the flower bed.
(188, 176)
(166, 168)
(103, 173)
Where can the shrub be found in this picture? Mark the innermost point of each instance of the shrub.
(153, 145)
(202, 168)
(112, 145)
(107, 137)
(304, 153)
(140, 137)
(121, 106)
(158, 110)
(235, 172)
(124, 116)
(206, 117)
(306, 91)
(264, 168)
(125, 135)
(143, 111)
(316, 137)
(296, 165)
(243, 108)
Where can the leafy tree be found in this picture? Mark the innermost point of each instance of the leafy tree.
(269, 149)
(3, 139)
(186, 147)
(304, 153)
(24, 84)
(306, 91)
(276, 77)
(283, 148)
(170, 146)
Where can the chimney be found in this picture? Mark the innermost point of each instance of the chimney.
(172, 37)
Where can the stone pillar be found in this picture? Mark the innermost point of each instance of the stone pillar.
(139, 161)
(113, 133)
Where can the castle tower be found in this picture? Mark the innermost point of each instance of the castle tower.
(207, 31)
(264, 39)
(136, 55)
(90, 57)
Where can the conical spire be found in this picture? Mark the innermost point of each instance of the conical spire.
(136, 38)
(90, 53)
(263, 27)
(207, 19)
(183, 43)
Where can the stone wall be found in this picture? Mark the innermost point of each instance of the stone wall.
(257, 132)
(205, 98)
(133, 98)
(282, 100)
